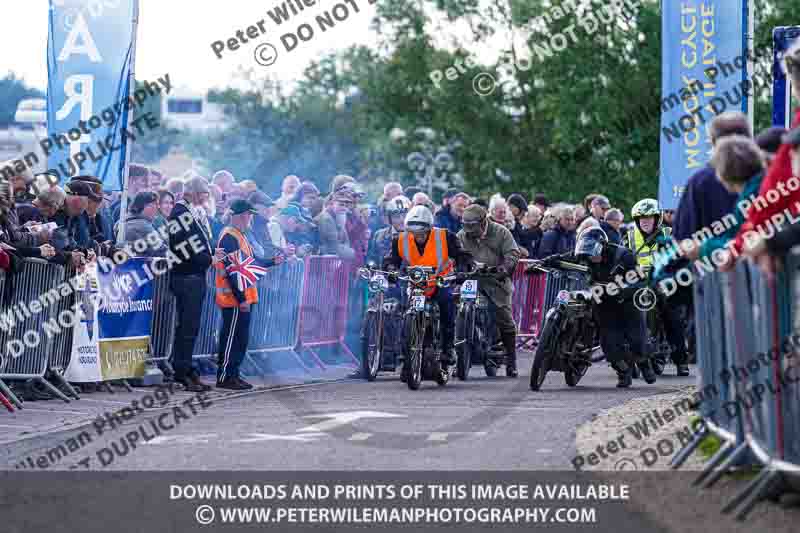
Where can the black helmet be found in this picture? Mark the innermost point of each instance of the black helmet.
(590, 243)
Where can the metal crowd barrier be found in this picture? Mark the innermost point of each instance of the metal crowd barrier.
(323, 307)
(527, 304)
(28, 349)
(749, 378)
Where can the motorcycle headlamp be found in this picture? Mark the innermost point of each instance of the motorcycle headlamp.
(416, 275)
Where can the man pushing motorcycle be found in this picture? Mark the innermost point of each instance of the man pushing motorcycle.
(618, 320)
(423, 245)
(493, 245)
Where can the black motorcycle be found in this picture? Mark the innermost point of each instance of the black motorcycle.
(476, 332)
(569, 335)
(380, 328)
(422, 329)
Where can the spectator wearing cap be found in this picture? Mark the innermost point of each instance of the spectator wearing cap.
(289, 187)
(265, 210)
(236, 294)
(303, 234)
(192, 243)
(446, 197)
(523, 236)
(72, 234)
(138, 181)
(288, 220)
(99, 227)
(139, 225)
(449, 217)
(332, 224)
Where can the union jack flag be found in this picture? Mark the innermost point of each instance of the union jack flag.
(245, 270)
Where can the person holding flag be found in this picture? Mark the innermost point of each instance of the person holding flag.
(236, 292)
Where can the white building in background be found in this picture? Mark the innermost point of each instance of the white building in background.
(187, 109)
(22, 137)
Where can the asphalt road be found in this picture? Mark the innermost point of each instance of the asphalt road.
(481, 424)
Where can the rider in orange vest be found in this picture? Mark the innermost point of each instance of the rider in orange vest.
(423, 245)
(236, 292)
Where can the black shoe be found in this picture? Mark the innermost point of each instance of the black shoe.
(246, 384)
(511, 370)
(647, 372)
(624, 379)
(683, 370)
(233, 384)
(192, 383)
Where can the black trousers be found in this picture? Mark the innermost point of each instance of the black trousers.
(190, 292)
(620, 324)
(232, 342)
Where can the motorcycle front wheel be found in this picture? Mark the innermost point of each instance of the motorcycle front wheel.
(464, 343)
(416, 343)
(371, 346)
(544, 354)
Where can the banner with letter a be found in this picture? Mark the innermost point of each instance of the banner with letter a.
(90, 55)
(704, 65)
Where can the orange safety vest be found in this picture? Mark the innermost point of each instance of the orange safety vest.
(224, 296)
(435, 256)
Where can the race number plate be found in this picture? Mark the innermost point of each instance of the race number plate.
(469, 290)
(419, 303)
(380, 280)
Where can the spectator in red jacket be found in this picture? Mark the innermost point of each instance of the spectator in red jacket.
(780, 171)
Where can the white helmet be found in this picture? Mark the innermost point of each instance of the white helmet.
(419, 216)
(399, 205)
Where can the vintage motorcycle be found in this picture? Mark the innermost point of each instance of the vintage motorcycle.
(380, 328)
(476, 333)
(422, 329)
(569, 335)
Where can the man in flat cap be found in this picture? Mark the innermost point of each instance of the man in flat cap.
(236, 293)
(493, 245)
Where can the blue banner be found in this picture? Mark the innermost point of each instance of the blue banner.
(704, 73)
(90, 53)
(124, 318)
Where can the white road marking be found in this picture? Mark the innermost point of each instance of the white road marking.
(263, 437)
(183, 439)
(342, 419)
(360, 437)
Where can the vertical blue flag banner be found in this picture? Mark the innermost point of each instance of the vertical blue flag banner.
(704, 73)
(90, 54)
(782, 39)
(124, 318)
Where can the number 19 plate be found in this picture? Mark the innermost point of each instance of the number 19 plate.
(469, 290)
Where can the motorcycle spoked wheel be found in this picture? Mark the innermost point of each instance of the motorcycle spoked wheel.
(544, 354)
(416, 342)
(465, 348)
(371, 347)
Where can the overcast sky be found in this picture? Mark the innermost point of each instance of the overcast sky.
(175, 36)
